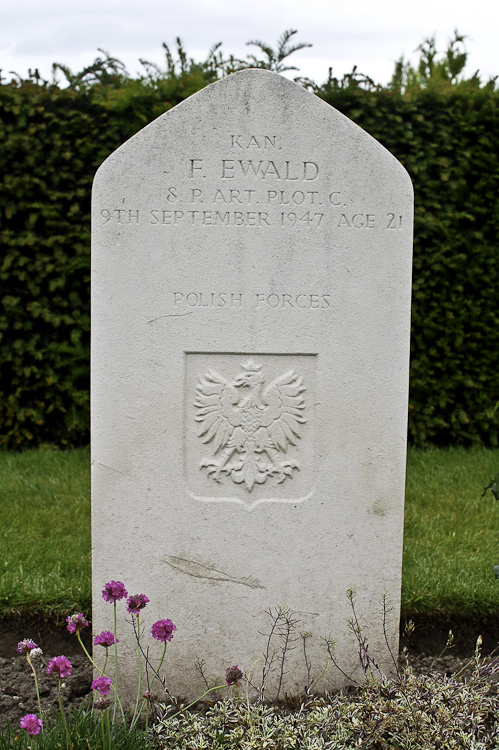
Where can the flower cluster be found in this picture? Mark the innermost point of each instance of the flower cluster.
(31, 723)
(60, 667)
(135, 603)
(233, 675)
(114, 591)
(76, 623)
(24, 647)
(106, 639)
(163, 630)
(102, 685)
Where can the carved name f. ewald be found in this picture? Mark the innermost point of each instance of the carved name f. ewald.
(248, 425)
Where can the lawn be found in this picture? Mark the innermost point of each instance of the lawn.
(450, 548)
(451, 536)
(45, 532)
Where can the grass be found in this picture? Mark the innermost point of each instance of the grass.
(84, 733)
(45, 532)
(451, 534)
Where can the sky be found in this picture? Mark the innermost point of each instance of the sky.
(371, 35)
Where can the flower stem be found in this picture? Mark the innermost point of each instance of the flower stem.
(156, 673)
(136, 712)
(102, 729)
(101, 672)
(116, 698)
(62, 715)
(36, 683)
(217, 687)
(108, 730)
(105, 662)
(87, 654)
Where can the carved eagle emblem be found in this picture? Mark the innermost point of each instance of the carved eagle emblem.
(249, 425)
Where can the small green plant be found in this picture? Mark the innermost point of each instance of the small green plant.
(406, 711)
(274, 58)
(493, 485)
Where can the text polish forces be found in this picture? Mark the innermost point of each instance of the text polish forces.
(272, 301)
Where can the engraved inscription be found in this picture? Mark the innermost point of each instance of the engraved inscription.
(249, 425)
(253, 184)
(258, 301)
(394, 222)
(260, 142)
(221, 217)
(286, 170)
(229, 218)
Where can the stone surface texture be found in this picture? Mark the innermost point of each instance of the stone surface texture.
(251, 311)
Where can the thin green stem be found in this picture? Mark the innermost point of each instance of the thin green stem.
(101, 672)
(105, 661)
(136, 716)
(63, 715)
(218, 687)
(148, 663)
(36, 683)
(102, 729)
(108, 730)
(116, 699)
(87, 654)
(136, 712)
(156, 672)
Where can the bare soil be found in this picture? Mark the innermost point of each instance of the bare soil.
(17, 690)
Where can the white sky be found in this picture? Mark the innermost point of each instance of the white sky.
(367, 33)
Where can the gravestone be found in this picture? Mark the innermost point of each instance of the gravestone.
(251, 305)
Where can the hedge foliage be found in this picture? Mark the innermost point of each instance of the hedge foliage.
(52, 142)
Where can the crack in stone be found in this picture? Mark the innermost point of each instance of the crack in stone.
(170, 315)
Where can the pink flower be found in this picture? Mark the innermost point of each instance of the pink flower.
(31, 723)
(163, 630)
(106, 638)
(135, 603)
(102, 685)
(24, 647)
(59, 666)
(76, 623)
(233, 675)
(113, 591)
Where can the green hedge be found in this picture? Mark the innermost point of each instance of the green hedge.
(52, 142)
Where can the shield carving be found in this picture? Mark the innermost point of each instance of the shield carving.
(250, 424)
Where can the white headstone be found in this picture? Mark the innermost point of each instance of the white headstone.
(251, 305)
